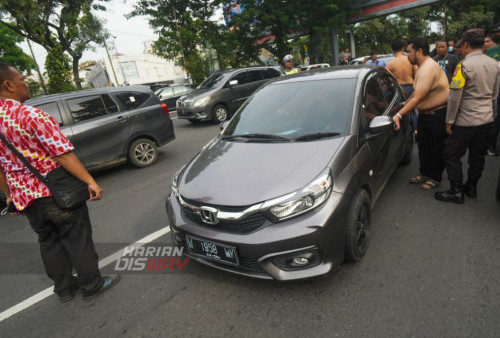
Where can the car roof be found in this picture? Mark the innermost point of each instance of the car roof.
(329, 73)
(84, 92)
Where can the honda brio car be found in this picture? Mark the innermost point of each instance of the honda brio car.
(287, 188)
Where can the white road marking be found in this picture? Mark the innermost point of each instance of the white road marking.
(102, 263)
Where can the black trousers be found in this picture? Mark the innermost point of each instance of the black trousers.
(431, 136)
(65, 238)
(462, 138)
(493, 135)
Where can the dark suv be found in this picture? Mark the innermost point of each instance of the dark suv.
(219, 96)
(107, 126)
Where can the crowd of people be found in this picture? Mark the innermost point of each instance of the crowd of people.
(452, 96)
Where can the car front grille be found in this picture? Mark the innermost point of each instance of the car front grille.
(245, 225)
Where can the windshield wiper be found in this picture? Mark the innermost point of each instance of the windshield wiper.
(256, 136)
(315, 136)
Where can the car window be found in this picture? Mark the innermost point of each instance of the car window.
(241, 77)
(131, 100)
(85, 108)
(214, 81)
(254, 75)
(166, 92)
(52, 109)
(388, 87)
(111, 105)
(374, 103)
(179, 90)
(285, 109)
(269, 73)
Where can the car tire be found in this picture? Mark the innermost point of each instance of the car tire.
(142, 152)
(408, 155)
(358, 228)
(220, 113)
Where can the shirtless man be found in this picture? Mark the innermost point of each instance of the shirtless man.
(404, 72)
(430, 97)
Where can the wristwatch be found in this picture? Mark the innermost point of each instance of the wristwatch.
(399, 115)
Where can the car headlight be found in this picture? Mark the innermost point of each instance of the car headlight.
(201, 102)
(304, 200)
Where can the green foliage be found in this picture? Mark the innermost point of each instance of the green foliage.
(35, 87)
(13, 54)
(186, 32)
(57, 65)
(65, 24)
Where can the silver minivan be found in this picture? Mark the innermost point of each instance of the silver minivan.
(109, 126)
(221, 94)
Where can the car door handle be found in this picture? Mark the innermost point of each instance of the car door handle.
(122, 119)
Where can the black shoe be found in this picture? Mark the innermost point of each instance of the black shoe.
(492, 152)
(68, 294)
(454, 195)
(108, 283)
(470, 190)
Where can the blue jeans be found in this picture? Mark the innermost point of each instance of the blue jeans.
(65, 237)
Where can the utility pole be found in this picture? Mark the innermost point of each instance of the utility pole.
(111, 63)
(42, 81)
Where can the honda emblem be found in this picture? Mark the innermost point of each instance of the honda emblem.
(209, 215)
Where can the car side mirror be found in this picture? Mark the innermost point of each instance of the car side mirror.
(381, 125)
(223, 125)
(233, 83)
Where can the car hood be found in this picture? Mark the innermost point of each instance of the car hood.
(240, 174)
(195, 94)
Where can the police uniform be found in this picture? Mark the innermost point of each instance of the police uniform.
(290, 72)
(471, 108)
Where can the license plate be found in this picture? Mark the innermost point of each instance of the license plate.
(212, 250)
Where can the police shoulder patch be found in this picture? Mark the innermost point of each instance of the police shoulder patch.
(458, 80)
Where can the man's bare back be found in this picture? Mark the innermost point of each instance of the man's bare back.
(431, 79)
(402, 69)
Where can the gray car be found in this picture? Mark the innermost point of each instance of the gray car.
(221, 94)
(108, 126)
(286, 190)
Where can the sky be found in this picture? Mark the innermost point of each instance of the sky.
(130, 34)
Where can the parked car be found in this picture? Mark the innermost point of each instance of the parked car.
(107, 126)
(221, 94)
(315, 66)
(286, 190)
(169, 95)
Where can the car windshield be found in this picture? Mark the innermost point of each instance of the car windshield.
(299, 111)
(214, 81)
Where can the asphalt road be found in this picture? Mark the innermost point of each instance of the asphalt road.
(432, 270)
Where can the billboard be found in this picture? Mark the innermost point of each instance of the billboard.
(375, 8)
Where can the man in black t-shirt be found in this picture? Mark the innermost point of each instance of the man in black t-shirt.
(448, 62)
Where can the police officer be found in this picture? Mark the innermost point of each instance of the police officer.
(471, 106)
(288, 64)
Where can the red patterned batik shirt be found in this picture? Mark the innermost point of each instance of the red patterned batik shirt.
(37, 136)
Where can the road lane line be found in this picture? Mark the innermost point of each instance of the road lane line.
(102, 263)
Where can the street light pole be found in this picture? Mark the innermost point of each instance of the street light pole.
(42, 81)
(110, 62)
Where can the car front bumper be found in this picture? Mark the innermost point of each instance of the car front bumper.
(266, 251)
(191, 113)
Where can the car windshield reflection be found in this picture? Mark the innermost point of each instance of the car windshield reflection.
(300, 111)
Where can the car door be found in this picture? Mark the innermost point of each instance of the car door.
(235, 95)
(56, 110)
(99, 128)
(255, 80)
(393, 96)
(374, 104)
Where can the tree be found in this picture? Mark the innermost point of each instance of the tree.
(58, 71)
(68, 24)
(186, 31)
(13, 54)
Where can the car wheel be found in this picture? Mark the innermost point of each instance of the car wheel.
(220, 113)
(358, 228)
(408, 155)
(143, 153)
